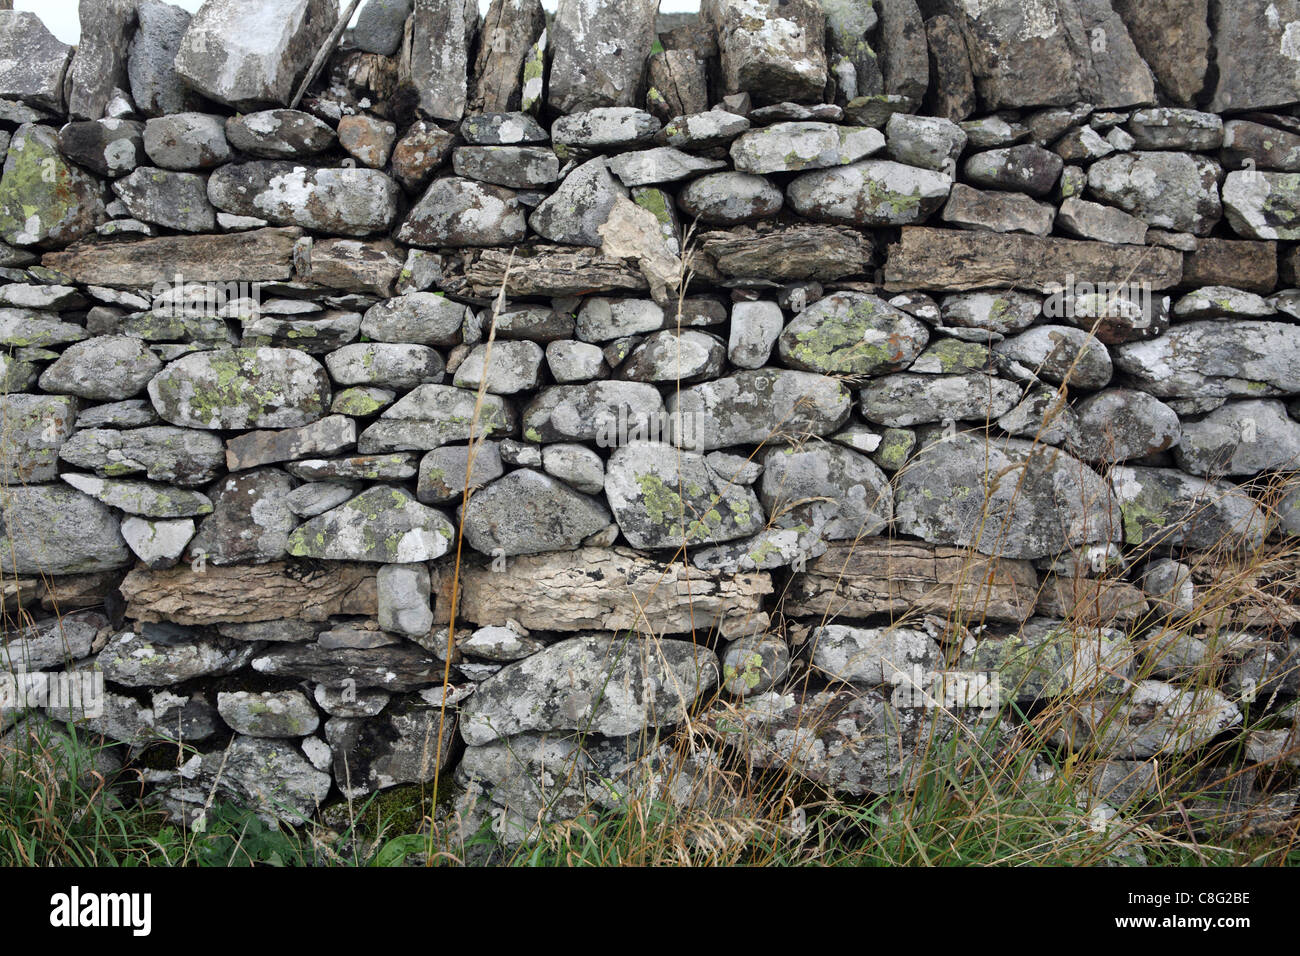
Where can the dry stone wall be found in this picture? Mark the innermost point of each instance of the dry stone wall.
(769, 355)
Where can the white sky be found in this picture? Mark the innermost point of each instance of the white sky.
(61, 15)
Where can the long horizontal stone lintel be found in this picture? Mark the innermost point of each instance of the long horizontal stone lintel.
(955, 260)
(259, 255)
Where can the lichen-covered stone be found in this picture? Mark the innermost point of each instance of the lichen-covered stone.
(44, 201)
(665, 497)
(644, 687)
(852, 333)
(527, 512)
(869, 193)
(241, 388)
(383, 524)
(249, 57)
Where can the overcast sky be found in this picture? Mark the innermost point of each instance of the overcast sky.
(61, 15)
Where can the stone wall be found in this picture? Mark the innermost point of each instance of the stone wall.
(758, 363)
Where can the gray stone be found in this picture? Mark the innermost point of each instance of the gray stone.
(182, 456)
(770, 50)
(791, 147)
(753, 665)
(605, 127)
(601, 319)
(419, 318)
(1007, 498)
(383, 524)
(907, 399)
(443, 472)
(1163, 506)
(662, 497)
(1167, 190)
(1120, 423)
(527, 512)
(869, 193)
(175, 200)
(731, 198)
(448, 414)
(703, 130)
(1150, 719)
(755, 327)
(1255, 55)
(852, 333)
(248, 58)
(576, 210)
(186, 141)
(1221, 301)
(1082, 144)
(1263, 205)
(106, 368)
(752, 407)
(1241, 438)
(239, 388)
(329, 436)
(156, 88)
(54, 529)
(661, 164)
(285, 713)
(926, 141)
(342, 201)
(502, 129)
(400, 747)
(874, 657)
(1028, 169)
(270, 776)
(1173, 37)
(144, 498)
(1166, 128)
(44, 201)
(997, 211)
(599, 53)
(109, 147)
(157, 543)
(575, 465)
(51, 643)
(278, 134)
(36, 428)
(98, 68)
(380, 25)
(671, 356)
(33, 63)
(512, 367)
(404, 604)
(575, 361)
(455, 211)
(386, 364)
(1211, 359)
(317, 497)
(1060, 353)
(517, 167)
(644, 687)
(134, 659)
(1090, 220)
(1003, 314)
(828, 487)
(1266, 147)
